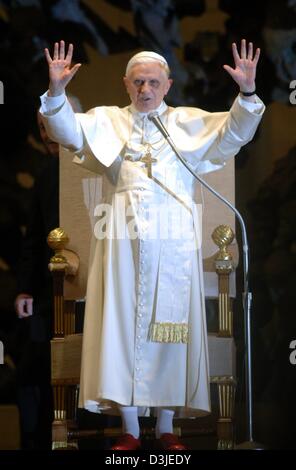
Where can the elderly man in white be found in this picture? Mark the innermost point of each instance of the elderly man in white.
(145, 338)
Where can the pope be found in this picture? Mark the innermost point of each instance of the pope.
(145, 336)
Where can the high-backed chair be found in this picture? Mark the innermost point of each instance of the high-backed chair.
(80, 192)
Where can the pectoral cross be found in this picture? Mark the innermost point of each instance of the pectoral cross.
(148, 160)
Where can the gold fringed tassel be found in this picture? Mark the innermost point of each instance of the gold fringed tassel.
(168, 332)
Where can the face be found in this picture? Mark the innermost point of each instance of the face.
(147, 84)
(52, 147)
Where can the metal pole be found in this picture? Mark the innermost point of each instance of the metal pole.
(247, 296)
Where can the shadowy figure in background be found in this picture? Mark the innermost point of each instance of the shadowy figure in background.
(34, 307)
(34, 302)
(19, 165)
(273, 279)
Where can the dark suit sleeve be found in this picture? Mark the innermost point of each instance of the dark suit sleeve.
(33, 271)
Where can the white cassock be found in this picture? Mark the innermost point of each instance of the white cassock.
(145, 335)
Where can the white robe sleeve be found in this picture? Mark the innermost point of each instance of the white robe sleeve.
(208, 140)
(60, 121)
(91, 136)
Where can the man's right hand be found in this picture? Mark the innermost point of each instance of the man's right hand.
(60, 71)
(24, 305)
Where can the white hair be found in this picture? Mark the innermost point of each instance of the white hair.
(147, 57)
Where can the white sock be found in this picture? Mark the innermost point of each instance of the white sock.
(164, 422)
(130, 421)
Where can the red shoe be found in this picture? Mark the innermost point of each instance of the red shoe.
(170, 441)
(127, 442)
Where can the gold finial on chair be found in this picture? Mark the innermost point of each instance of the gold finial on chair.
(57, 240)
(223, 236)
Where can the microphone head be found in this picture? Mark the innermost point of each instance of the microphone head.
(153, 115)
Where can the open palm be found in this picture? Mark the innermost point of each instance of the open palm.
(60, 71)
(244, 73)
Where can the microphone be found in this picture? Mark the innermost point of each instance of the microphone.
(247, 296)
(154, 117)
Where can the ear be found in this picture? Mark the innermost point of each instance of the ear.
(126, 82)
(169, 84)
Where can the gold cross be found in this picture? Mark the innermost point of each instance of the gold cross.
(148, 160)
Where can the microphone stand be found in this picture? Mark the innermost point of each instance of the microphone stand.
(247, 296)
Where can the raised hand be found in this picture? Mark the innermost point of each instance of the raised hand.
(60, 71)
(244, 73)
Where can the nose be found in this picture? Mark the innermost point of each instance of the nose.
(145, 87)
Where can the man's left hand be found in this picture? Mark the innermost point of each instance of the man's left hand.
(244, 73)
